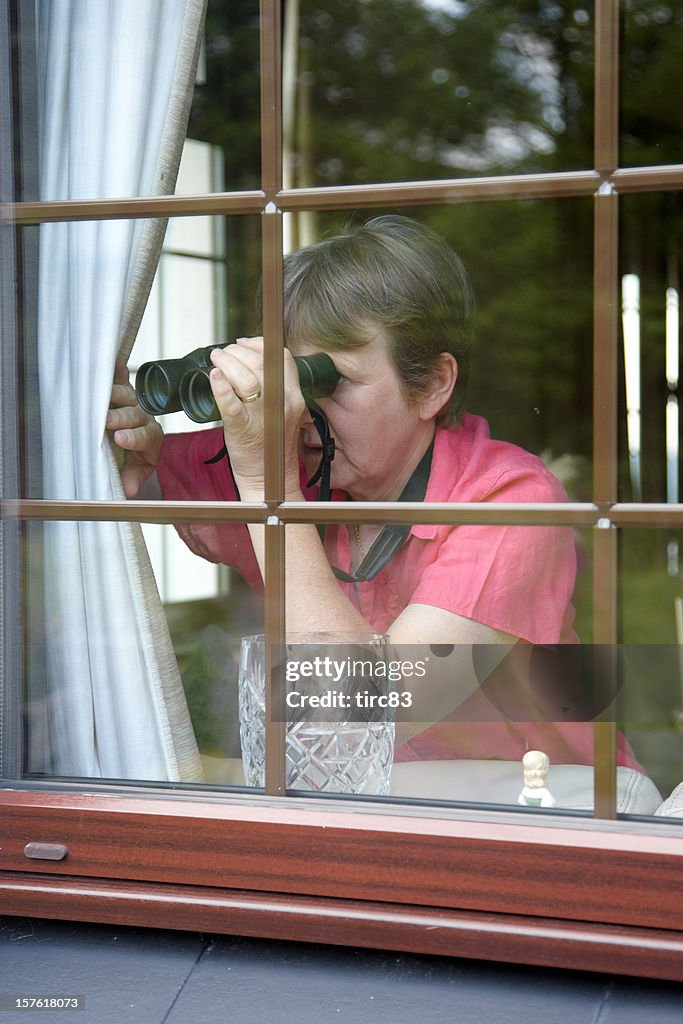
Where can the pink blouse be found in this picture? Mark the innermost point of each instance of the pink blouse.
(518, 579)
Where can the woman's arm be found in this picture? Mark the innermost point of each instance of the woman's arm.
(314, 600)
(452, 677)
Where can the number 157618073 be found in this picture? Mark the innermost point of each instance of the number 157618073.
(41, 1002)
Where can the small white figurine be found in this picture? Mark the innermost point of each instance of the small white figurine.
(536, 792)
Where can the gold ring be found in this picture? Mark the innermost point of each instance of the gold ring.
(245, 399)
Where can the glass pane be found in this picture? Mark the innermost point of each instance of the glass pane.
(651, 54)
(470, 699)
(226, 109)
(106, 92)
(107, 665)
(464, 716)
(383, 324)
(83, 296)
(393, 91)
(650, 257)
(652, 633)
(531, 364)
(119, 683)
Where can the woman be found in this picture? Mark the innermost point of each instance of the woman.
(392, 304)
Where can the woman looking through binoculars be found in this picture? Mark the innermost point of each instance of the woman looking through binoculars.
(392, 305)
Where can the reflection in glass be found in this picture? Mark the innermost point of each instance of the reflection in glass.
(225, 113)
(651, 54)
(473, 711)
(420, 90)
(104, 697)
(473, 755)
(207, 629)
(96, 705)
(650, 260)
(652, 634)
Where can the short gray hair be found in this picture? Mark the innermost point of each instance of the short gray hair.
(393, 272)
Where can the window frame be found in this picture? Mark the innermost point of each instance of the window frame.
(557, 891)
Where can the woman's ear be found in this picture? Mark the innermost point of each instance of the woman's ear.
(439, 387)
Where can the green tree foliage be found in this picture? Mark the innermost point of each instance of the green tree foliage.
(652, 58)
(405, 90)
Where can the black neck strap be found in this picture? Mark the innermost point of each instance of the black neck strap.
(322, 473)
(392, 536)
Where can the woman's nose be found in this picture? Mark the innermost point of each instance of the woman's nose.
(306, 418)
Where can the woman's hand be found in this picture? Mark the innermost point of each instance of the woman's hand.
(237, 385)
(135, 432)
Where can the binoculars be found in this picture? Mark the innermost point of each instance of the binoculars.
(172, 385)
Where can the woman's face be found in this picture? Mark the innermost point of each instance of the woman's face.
(380, 435)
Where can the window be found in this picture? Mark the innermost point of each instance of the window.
(527, 163)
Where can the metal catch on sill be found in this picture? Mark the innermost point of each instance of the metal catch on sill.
(45, 851)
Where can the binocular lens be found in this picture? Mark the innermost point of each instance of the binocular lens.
(196, 397)
(156, 390)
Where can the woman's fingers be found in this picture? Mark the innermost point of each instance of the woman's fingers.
(137, 434)
(122, 393)
(133, 476)
(138, 438)
(227, 401)
(124, 410)
(121, 375)
(126, 416)
(236, 379)
(254, 343)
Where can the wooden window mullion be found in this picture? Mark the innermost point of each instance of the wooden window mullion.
(272, 276)
(605, 377)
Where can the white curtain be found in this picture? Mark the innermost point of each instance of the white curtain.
(115, 80)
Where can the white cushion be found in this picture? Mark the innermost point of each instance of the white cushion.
(673, 805)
